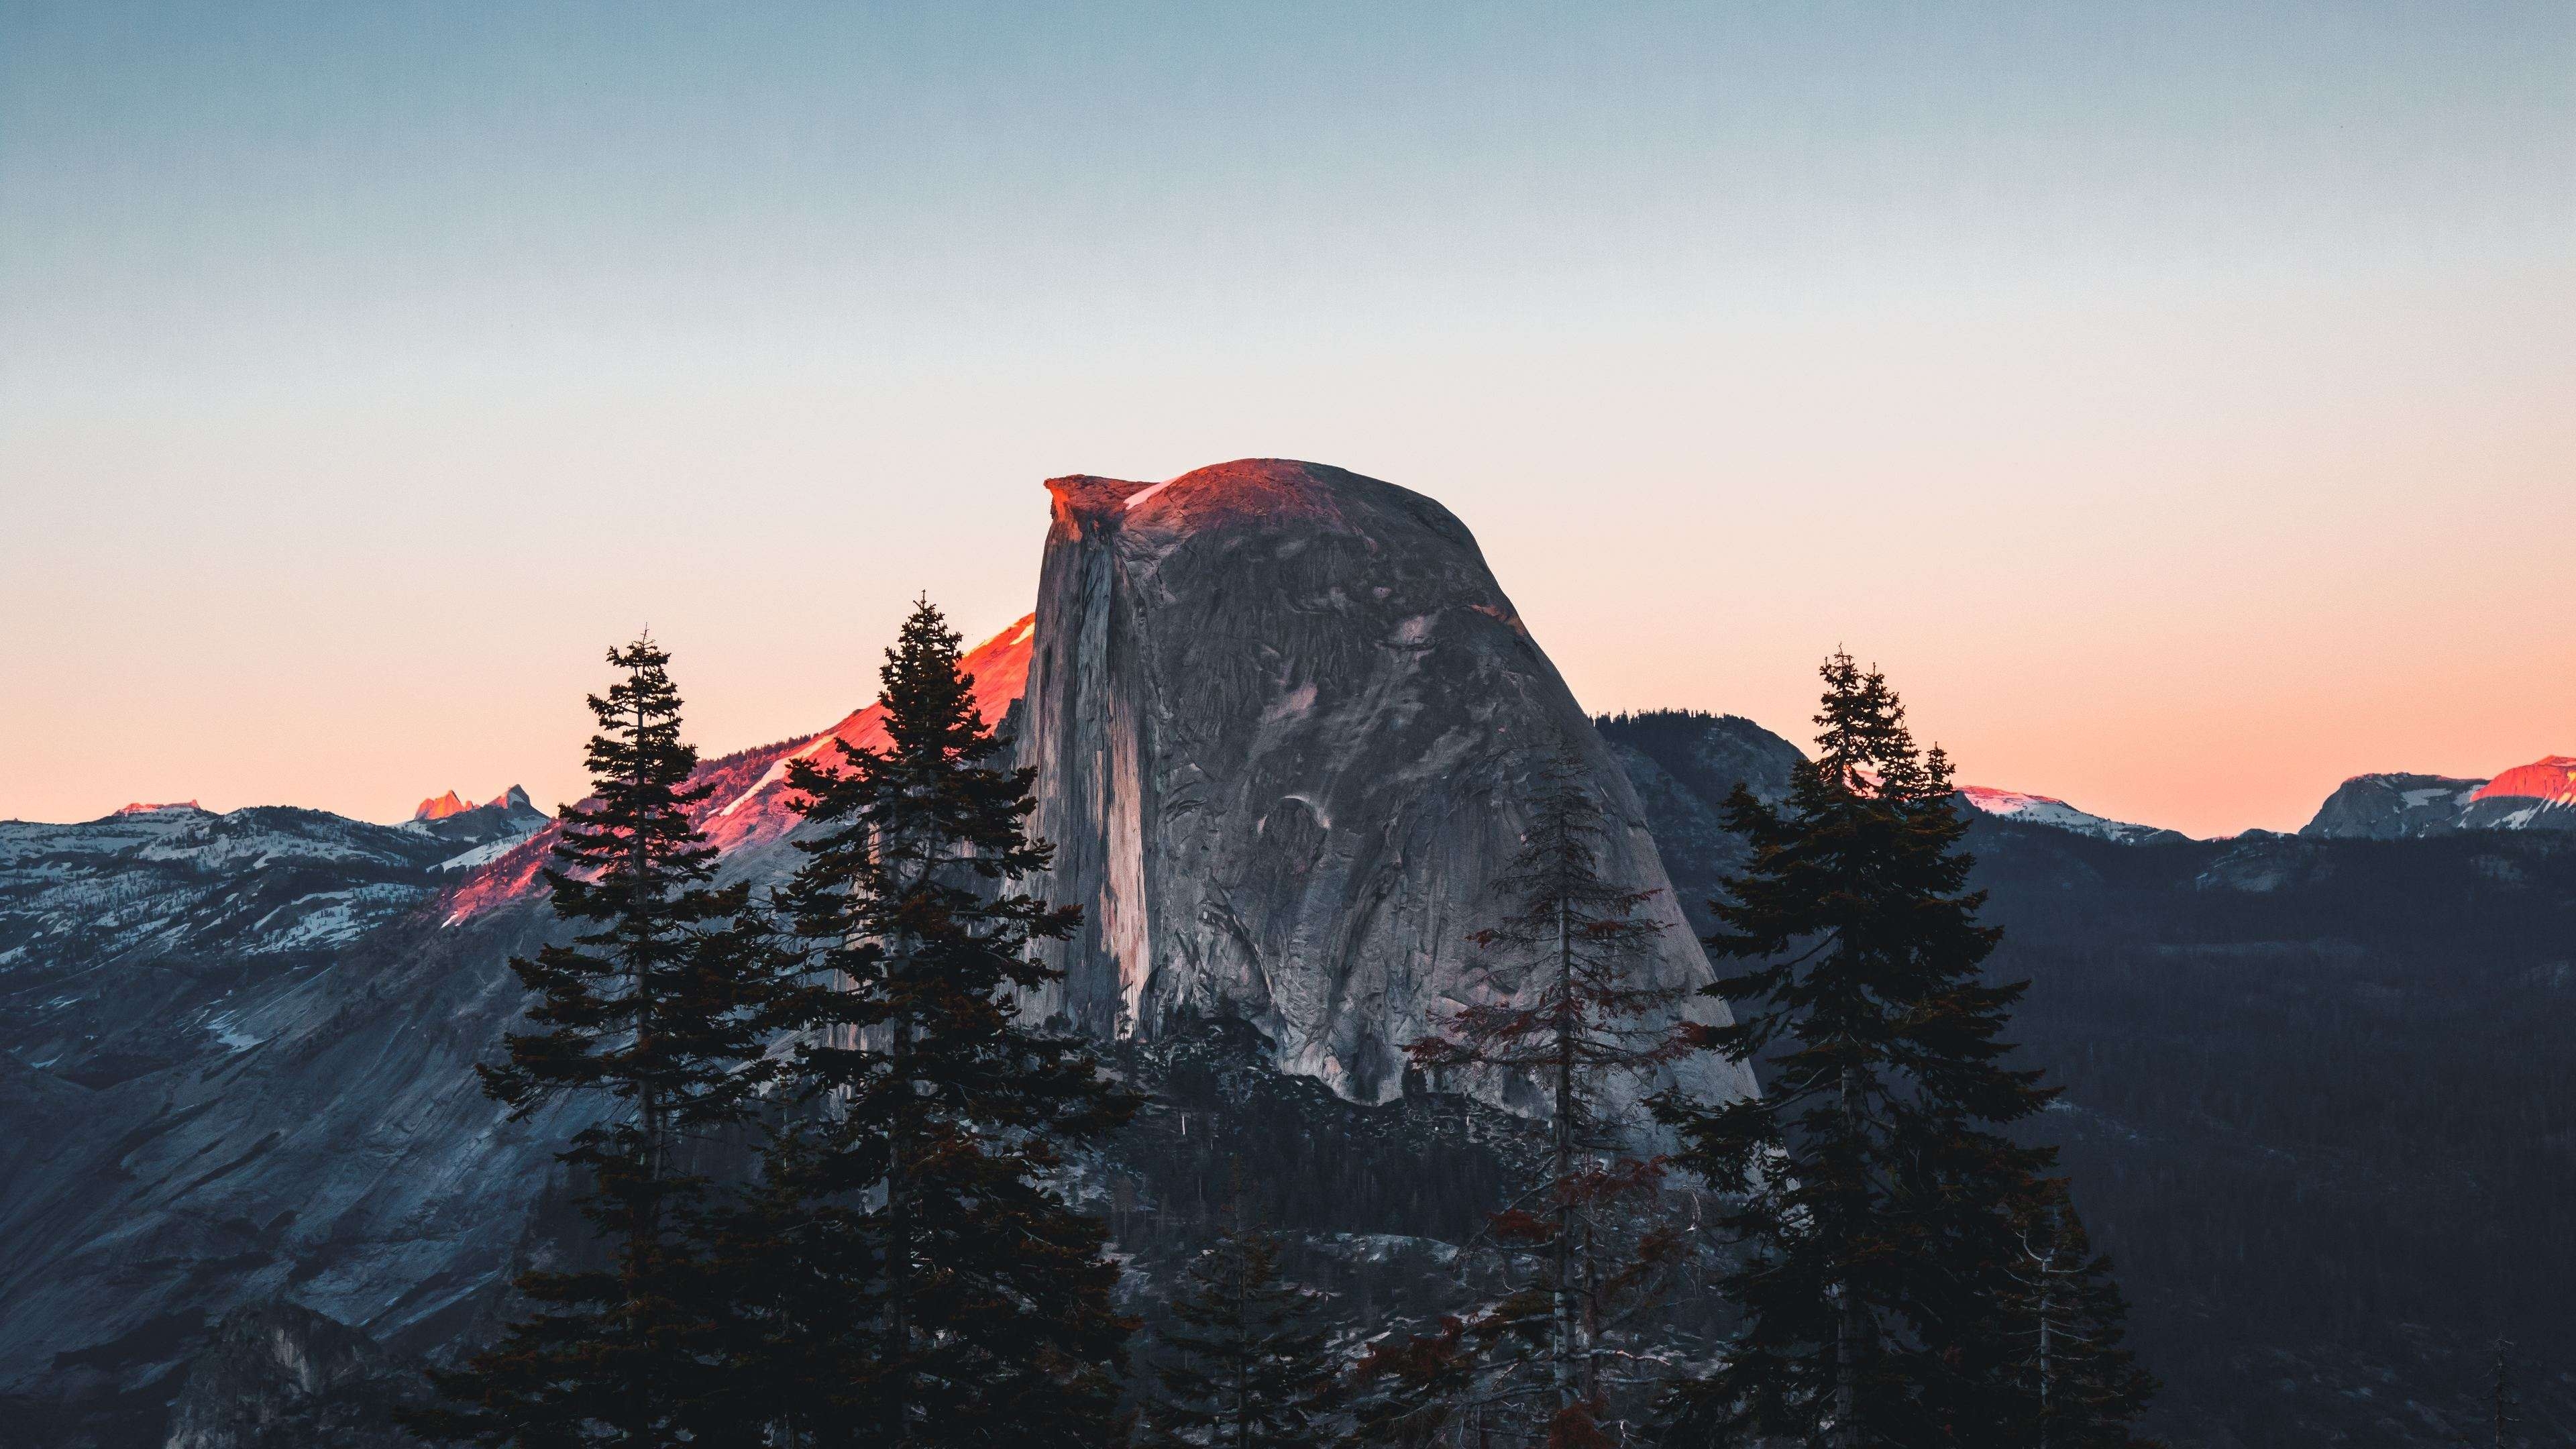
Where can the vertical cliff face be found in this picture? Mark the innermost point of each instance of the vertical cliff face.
(1285, 722)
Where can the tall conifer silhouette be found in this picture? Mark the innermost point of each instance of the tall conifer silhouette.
(1573, 1010)
(1877, 1216)
(650, 1021)
(933, 1285)
(2066, 1323)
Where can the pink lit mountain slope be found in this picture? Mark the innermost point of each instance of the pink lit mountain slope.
(749, 804)
(2043, 810)
(2537, 796)
(762, 811)
(2551, 782)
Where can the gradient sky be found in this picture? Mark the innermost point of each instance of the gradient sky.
(2180, 402)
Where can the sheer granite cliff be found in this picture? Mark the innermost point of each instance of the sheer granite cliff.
(1284, 721)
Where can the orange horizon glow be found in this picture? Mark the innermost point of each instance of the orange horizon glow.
(2178, 402)
(753, 808)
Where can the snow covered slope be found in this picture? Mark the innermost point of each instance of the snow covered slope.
(2044, 810)
(121, 939)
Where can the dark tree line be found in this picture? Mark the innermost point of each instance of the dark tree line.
(2325, 1123)
(894, 1257)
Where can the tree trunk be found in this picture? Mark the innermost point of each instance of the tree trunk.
(2047, 1348)
(1848, 1323)
(898, 1150)
(1242, 1332)
(1590, 1387)
(1564, 1295)
(899, 1245)
(644, 1228)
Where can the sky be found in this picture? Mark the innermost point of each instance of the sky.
(2178, 402)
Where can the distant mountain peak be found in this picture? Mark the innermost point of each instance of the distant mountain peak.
(440, 807)
(2048, 810)
(2396, 805)
(2552, 779)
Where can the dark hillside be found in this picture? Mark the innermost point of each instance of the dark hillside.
(2321, 1105)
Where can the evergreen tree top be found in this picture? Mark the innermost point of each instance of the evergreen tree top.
(936, 777)
(634, 839)
(1248, 1362)
(1872, 1195)
(1857, 916)
(952, 1290)
(1568, 965)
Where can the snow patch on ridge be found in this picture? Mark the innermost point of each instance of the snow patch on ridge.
(486, 854)
(2050, 811)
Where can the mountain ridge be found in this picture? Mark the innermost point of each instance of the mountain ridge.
(2397, 805)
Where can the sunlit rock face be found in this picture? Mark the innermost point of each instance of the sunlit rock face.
(2537, 796)
(1284, 722)
(439, 807)
(2540, 795)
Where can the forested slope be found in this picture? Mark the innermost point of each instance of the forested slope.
(2320, 1100)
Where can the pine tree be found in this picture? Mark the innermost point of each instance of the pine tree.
(1416, 1390)
(1874, 1220)
(1248, 1362)
(651, 1018)
(1579, 1013)
(928, 1284)
(2067, 1322)
(2502, 1401)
